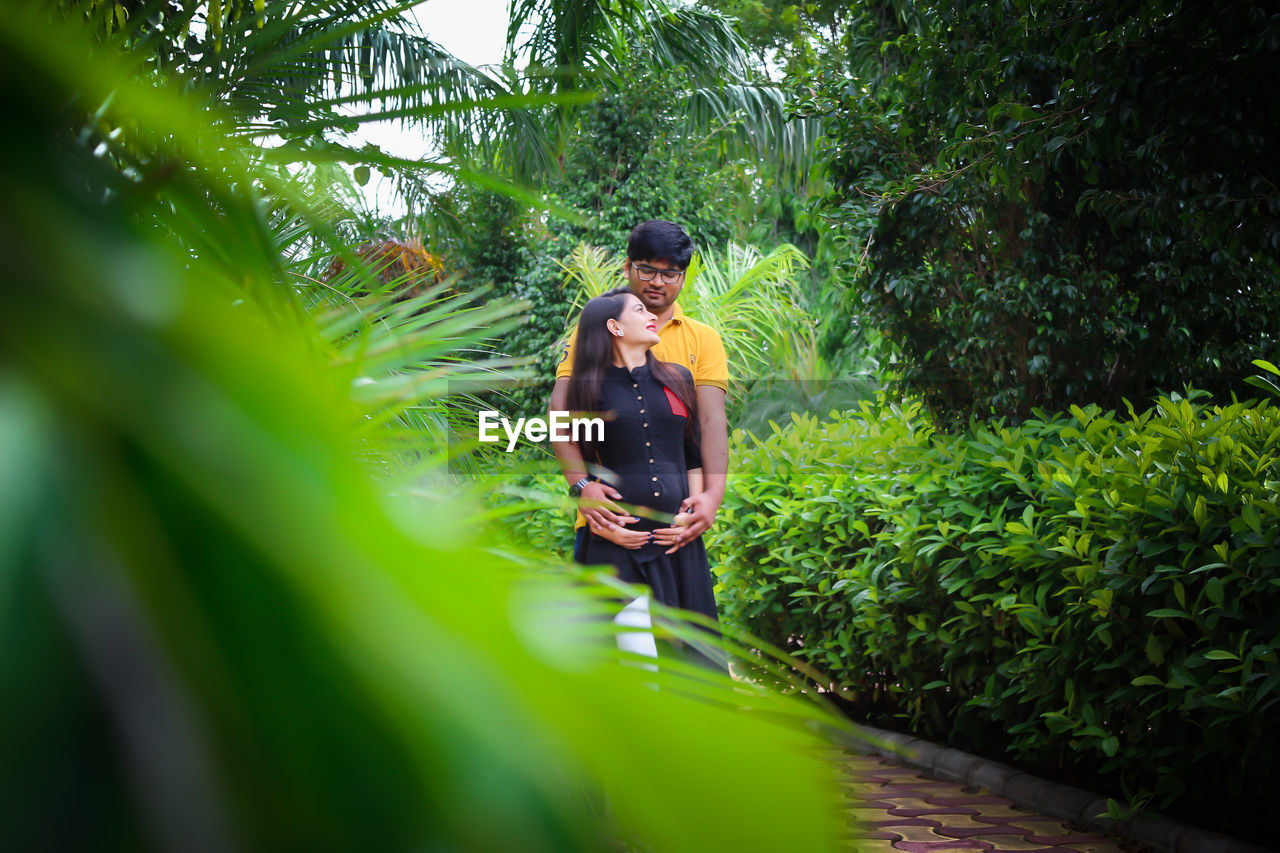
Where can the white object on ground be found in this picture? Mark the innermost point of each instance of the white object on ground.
(638, 638)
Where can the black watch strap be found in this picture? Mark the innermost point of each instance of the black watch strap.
(576, 488)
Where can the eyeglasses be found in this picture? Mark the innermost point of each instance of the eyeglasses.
(646, 273)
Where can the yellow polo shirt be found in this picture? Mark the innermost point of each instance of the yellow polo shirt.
(682, 341)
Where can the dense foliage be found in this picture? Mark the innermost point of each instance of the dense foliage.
(1096, 597)
(220, 631)
(1047, 204)
(216, 624)
(631, 158)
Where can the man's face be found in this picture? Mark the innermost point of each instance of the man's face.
(656, 282)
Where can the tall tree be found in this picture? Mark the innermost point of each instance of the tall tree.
(1056, 204)
(575, 45)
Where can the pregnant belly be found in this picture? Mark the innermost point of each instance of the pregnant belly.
(640, 492)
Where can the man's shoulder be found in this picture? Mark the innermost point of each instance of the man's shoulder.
(682, 370)
(699, 329)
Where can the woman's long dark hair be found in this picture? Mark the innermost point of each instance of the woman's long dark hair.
(593, 356)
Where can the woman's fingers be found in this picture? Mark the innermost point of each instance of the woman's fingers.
(626, 538)
(600, 518)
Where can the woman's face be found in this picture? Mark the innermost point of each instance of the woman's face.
(637, 323)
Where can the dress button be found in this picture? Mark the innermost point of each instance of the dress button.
(655, 479)
(650, 461)
(644, 425)
(634, 385)
(637, 396)
(655, 494)
(642, 411)
(646, 444)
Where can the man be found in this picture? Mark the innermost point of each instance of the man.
(658, 254)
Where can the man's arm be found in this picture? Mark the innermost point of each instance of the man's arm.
(566, 451)
(715, 440)
(703, 506)
(594, 503)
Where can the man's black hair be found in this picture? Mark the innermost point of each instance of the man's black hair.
(659, 239)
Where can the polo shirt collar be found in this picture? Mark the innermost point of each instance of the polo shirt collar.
(677, 314)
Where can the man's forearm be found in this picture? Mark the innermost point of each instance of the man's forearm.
(715, 441)
(571, 462)
(567, 453)
(715, 460)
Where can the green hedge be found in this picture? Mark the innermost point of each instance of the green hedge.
(1093, 597)
(531, 507)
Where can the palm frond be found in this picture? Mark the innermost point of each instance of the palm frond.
(748, 297)
(589, 272)
(700, 41)
(759, 123)
(564, 34)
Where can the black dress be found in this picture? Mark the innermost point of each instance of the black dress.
(646, 455)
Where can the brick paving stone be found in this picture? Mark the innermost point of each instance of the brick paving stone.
(890, 822)
(1012, 842)
(921, 834)
(872, 813)
(932, 813)
(920, 806)
(931, 847)
(973, 800)
(935, 793)
(967, 824)
(903, 809)
(861, 788)
(990, 833)
(993, 813)
(872, 835)
(1055, 831)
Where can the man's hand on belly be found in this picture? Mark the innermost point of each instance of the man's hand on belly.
(700, 510)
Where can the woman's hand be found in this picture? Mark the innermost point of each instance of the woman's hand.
(631, 539)
(596, 503)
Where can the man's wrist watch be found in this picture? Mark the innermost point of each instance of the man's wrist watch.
(576, 489)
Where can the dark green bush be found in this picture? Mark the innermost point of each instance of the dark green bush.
(1053, 203)
(1094, 597)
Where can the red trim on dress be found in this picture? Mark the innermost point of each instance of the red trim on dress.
(677, 408)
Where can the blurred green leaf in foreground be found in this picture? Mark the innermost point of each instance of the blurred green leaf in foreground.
(217, 632)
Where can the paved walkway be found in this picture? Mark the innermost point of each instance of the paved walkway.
(898, 808)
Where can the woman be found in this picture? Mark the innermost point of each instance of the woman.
(649, 453)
